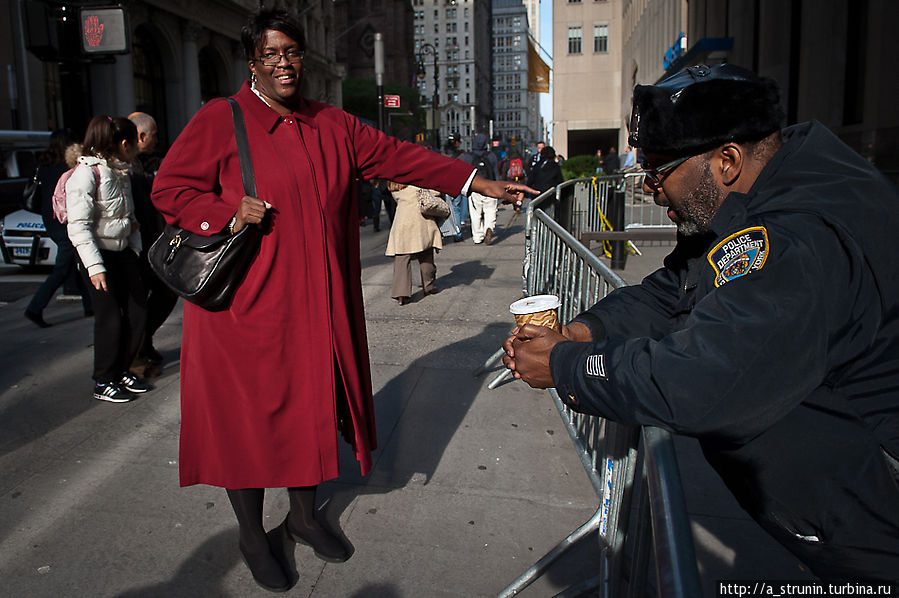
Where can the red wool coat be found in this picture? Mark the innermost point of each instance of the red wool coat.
(260, 381)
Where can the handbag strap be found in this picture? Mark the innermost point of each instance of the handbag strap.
(243, 149)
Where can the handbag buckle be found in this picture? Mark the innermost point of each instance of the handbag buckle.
(174, 245)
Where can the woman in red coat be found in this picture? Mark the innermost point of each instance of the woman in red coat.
(267, 385)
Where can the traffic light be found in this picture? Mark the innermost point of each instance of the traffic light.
(60, 32)
(103, 31)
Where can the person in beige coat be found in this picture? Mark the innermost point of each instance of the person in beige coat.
(412, 236)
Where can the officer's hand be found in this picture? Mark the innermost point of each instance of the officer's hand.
(577, 332)
(527, 354)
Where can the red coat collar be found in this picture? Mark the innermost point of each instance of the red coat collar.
(267, 116)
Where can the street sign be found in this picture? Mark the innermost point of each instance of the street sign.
(391, 101)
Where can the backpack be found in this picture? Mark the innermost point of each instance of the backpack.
(59, 193)
(516, 168)
(483, 167)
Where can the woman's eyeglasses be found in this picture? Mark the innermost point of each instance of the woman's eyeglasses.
(655, 175)
(274, 59)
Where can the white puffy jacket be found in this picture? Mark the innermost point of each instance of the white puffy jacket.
(100, 218)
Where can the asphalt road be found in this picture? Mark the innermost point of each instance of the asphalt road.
(17, 282)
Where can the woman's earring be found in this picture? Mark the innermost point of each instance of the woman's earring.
(252, 80)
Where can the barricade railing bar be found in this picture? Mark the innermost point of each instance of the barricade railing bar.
(640, 518)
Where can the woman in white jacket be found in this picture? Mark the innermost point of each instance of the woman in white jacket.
(102, 227)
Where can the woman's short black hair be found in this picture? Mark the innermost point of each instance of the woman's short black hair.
(277, 19)
(547, 153)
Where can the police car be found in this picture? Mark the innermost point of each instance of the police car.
(24, 240)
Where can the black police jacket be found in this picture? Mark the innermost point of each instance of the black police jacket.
(774, 340)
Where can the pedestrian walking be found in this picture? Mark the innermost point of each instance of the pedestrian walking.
(52, 164)
(104, 231)
(161, 300)
(610, 161)
(412, 237)
(535, 157)
(771, 332)
(482, 208)
(547, 173)
(380, 196)
(268, 383)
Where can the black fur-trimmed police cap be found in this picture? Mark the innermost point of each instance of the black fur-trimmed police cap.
(702, 107)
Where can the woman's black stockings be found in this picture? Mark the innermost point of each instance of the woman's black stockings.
(303, 528)
(302, 508)
(247, 505)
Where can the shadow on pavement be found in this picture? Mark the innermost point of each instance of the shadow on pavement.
(203, 573)
(465, 273)
(419, 411)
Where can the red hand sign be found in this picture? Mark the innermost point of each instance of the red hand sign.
(93, 31)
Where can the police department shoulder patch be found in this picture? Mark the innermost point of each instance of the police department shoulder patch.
(739, 254)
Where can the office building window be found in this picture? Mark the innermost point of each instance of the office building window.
(575, 36)
(601, 38)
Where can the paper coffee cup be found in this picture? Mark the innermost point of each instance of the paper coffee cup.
(539, 310)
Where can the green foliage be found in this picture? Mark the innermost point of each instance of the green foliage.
(360, 98)
(577, 167)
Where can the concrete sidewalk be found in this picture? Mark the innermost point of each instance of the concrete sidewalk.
(469, 488)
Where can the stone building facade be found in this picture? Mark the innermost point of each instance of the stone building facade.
(181, 55)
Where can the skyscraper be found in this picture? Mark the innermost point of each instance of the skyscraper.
(516, 113)
(455, 35)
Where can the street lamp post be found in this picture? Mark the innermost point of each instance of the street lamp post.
(379, 77)
(429, 49)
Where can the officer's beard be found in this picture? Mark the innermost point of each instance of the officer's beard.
(695, 214)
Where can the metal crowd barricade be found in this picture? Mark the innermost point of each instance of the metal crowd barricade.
(640, 518)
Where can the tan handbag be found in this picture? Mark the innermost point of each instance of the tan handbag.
(432, 206)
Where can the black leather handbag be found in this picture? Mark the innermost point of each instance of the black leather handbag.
(206, 270)
(31, 195)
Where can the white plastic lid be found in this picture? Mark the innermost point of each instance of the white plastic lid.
(534, 303)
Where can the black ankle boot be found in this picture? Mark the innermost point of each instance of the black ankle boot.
(326, 545)
(266, 569)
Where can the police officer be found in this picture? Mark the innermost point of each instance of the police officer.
(771, 334)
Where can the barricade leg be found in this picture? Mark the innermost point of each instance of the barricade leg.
(493, 359)
(490, 361)
(540, 567)
(502, 377)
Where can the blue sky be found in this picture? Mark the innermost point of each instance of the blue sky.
(546, 40)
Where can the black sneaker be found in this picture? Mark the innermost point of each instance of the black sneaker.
(132, 383)
(37, 318)
(112, 392)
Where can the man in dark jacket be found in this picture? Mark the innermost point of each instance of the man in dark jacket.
(160, 299)
(547, 173)
(772, 332)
